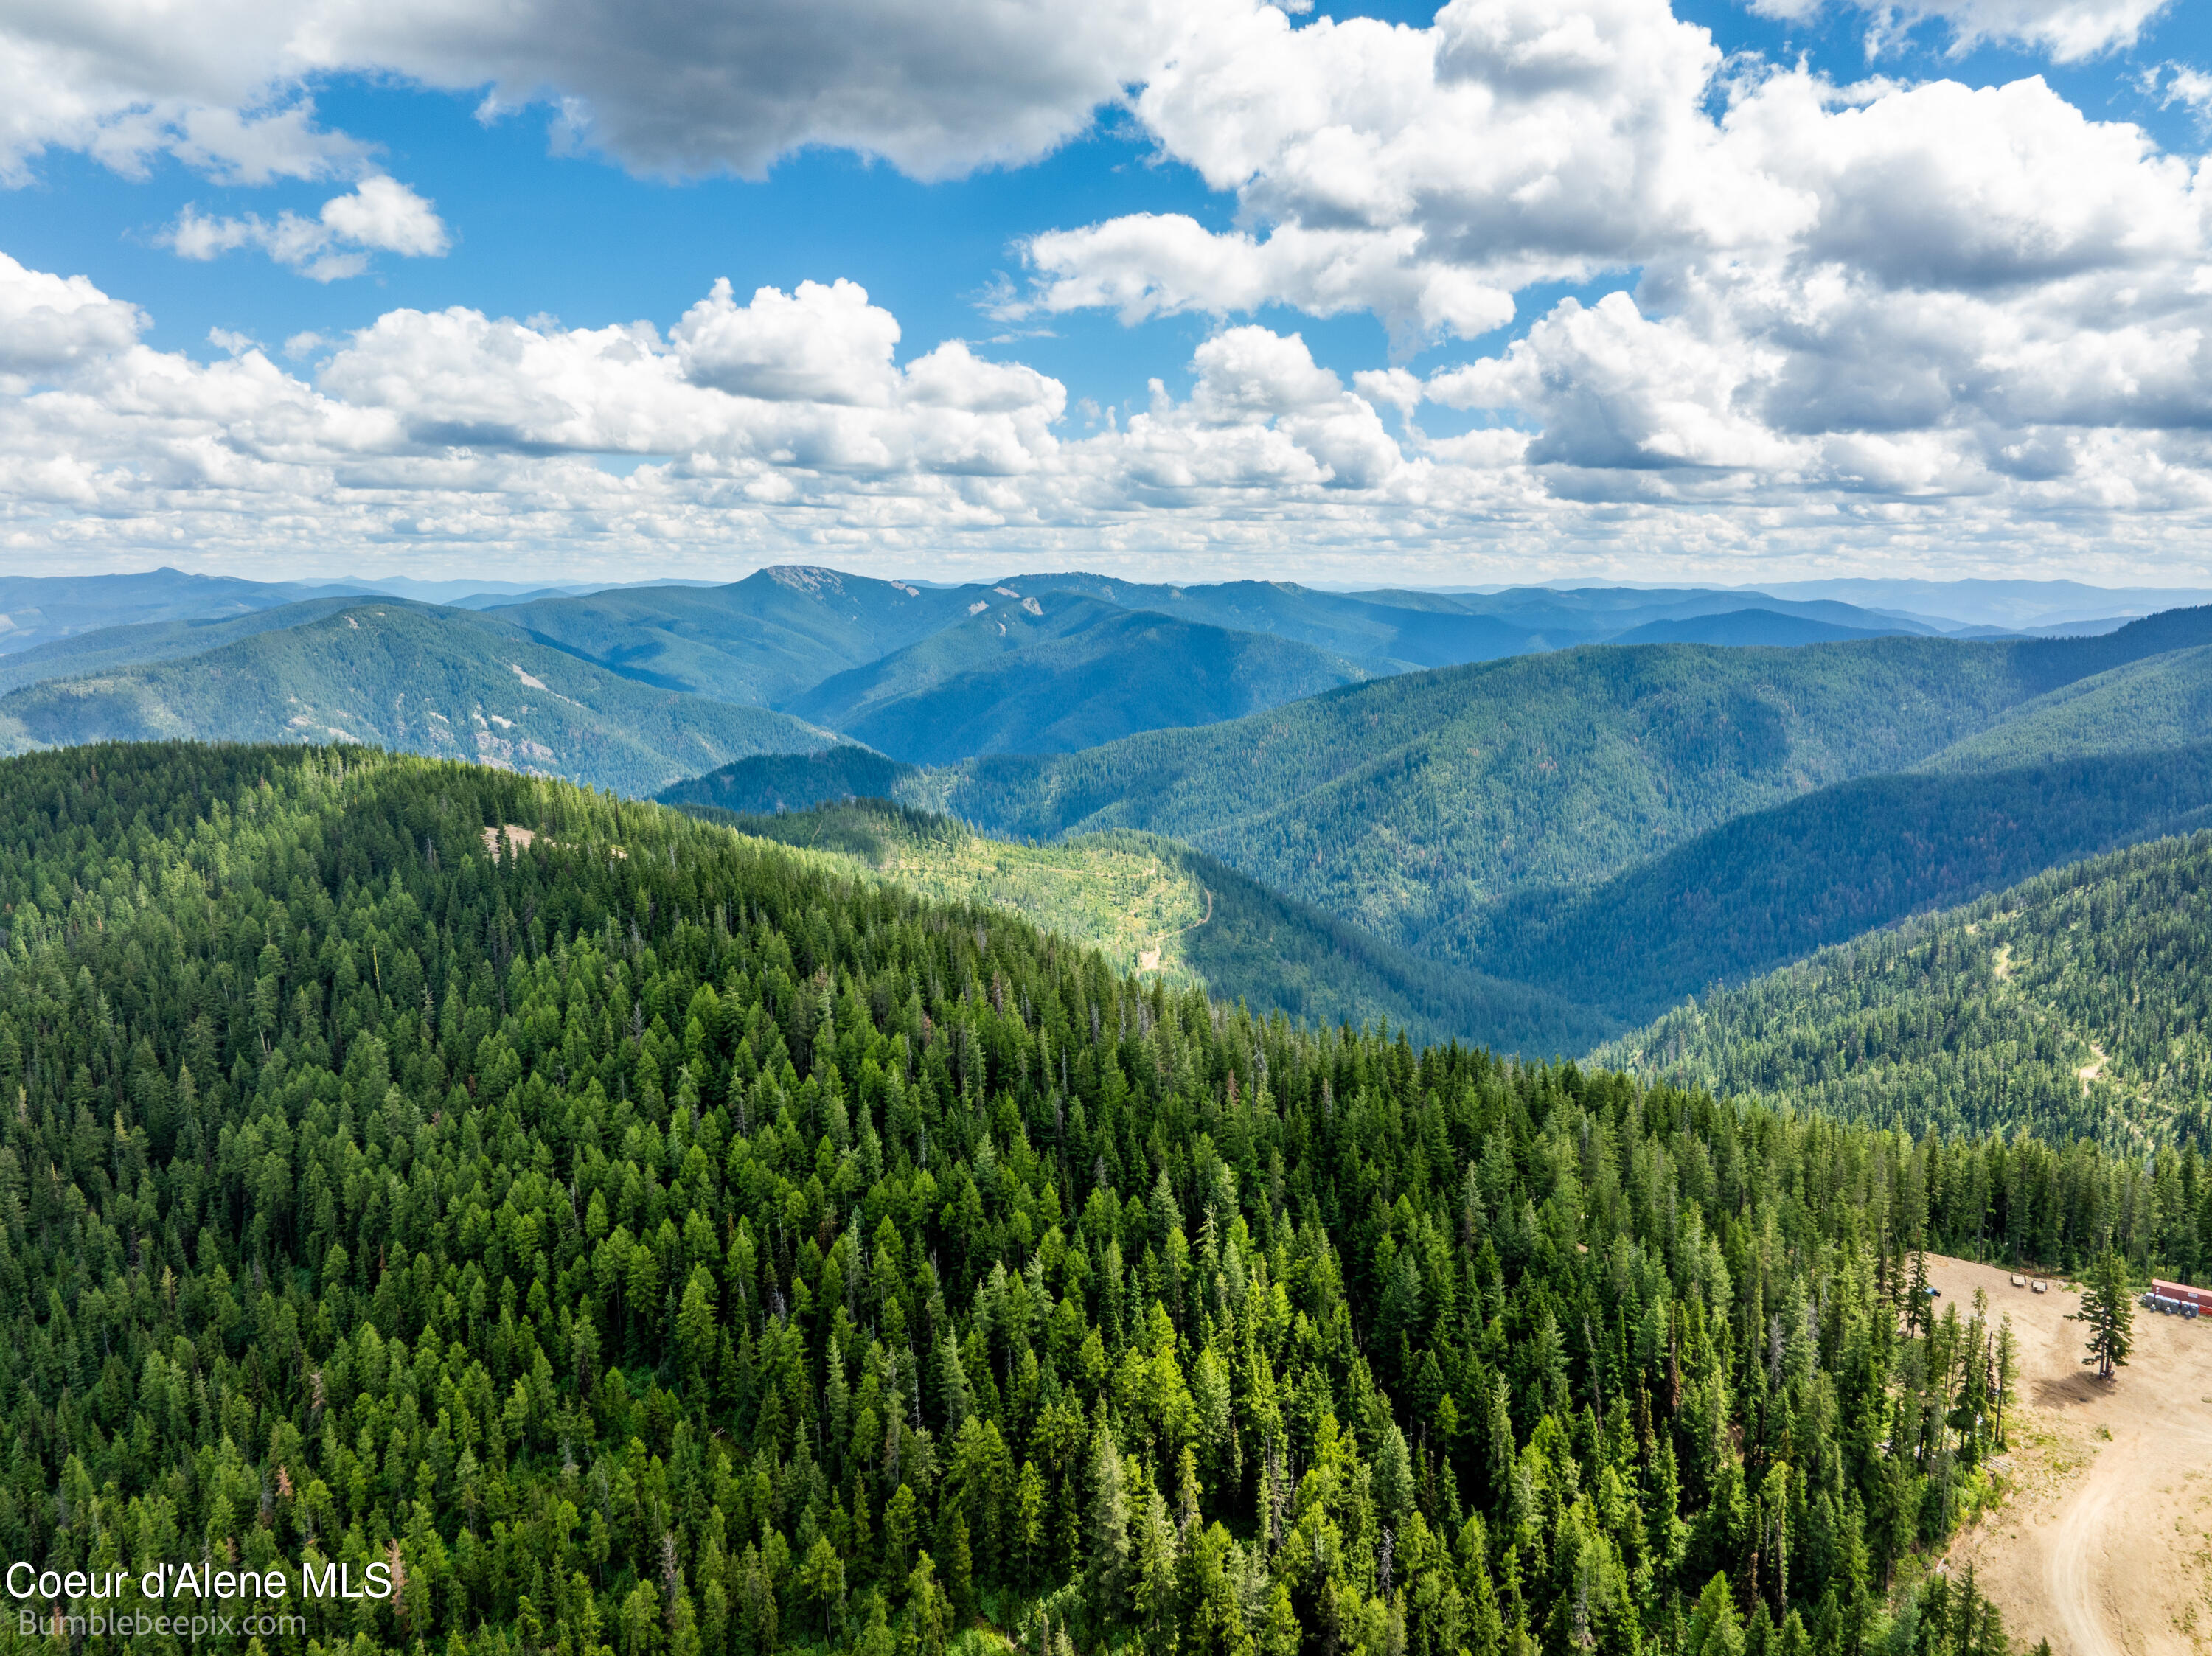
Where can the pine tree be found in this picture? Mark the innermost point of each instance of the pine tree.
(1108, 1529)
(2110, 1311)
(2008, 1357)
(1029, 1521)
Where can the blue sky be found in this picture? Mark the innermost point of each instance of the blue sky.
(543, 229)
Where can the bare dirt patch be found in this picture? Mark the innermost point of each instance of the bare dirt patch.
(2104, 1543)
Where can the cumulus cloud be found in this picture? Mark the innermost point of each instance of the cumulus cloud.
(49, 323)
(379, 215)
(1423, 174)
(1847, 302)
(823, 344)
(1428, 175)
(1152, 265)
(937, 90)
(789, 426)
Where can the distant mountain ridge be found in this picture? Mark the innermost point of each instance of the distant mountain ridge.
(936, 673)
(448, 682)
(1053, 671)
(1742, 629)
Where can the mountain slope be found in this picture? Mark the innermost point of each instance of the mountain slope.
(1150, 905)
(2163, 702)
(768, 639)
(2073, 1003)
(757, 642)
(1606, 615)
(1052, 671)
(108, 647)
(1408, 804)
(769, 782)
(1773, 885)
(1741, 627)
(36, 609)
(441, 682)
(1384, 632)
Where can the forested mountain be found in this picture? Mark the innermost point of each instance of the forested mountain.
(1051, 670)
(435, 681)
(1750, 627)
(2073, 1003)
(1607, 615)
(1153, 905)
(1408, 804)
(1776, 884)
(1383, 632)
(640, 1241)
(2163, 702)
(767, 783)
(2022, 605)
(757, 642)
(36, 609)
(109, 647)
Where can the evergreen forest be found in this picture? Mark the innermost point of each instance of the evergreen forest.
(1153, 905)
(641, 1239)
(2071, 1006)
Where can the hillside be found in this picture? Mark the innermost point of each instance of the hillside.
(37, 609)
(2163, 702)
(770, 638)
(1753, 627)
(769, 782)
(1151, 905)
(1563, 617)
(105, 649)
(428, 681)
(1409, 805)
(1382, 632)
(1773, 885)
(2071, 1005)
(692, 1250)
(757, 642)
(1051, 671)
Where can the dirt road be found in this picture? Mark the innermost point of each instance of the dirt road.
(2104, 1546)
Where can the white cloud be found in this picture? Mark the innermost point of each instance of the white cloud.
(2190, 88)
(1149, 264)
(49, 322)
(938, 89)
(379, 215)
(1945, 186)
(820, 344)
(1612, 389)
(1726, 430)
(2068, 30)
(1423, 174)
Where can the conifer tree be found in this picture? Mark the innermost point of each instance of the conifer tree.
(2109, 1309)
(1107, 1575)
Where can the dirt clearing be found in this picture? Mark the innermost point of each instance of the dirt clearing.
(2104, 1545)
